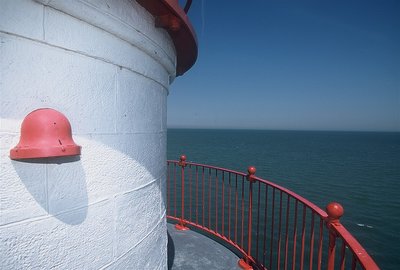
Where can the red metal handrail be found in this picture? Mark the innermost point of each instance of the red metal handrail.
(268, 226)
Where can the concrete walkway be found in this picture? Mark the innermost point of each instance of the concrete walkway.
(189, 250)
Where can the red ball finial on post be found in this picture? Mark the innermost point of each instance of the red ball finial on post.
(251, 171)
(182, 161)
(335, 212)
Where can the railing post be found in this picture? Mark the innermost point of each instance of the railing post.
(245, 263)
(335, 212)
(181, 225)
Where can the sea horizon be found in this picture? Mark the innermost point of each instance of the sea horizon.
(268, 129)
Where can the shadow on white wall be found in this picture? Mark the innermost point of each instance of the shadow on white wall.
(64, 183)
(71, 184)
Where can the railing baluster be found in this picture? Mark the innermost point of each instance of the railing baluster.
(278, 257)
(197, 194)
(272, 228)
(175, 207)
(331, 251)
(190, 191)
(265, 226)
(209, 198)
(167, 204)
(182, 225)
(312, 240)
(303, 238)
(216, 201)
(251, 172)
(229, 207)
(203, 195)
(287, 233)
(321, 226)
(353, 262)
(295, 235)
(343, 256)
(258, 219)
(223, 203)
(242, 209)
(236, 208)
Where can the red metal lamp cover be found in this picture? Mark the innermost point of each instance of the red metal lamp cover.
(45, 133)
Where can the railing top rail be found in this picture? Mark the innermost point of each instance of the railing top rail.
(301, 199)
(210, 167)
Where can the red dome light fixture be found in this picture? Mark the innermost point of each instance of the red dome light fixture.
(45, 133)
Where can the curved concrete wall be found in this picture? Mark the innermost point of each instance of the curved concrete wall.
(106, 67)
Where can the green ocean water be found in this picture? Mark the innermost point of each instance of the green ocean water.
(360, 170)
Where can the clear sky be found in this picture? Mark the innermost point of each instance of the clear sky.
(298, 65)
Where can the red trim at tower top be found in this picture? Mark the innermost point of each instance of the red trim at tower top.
(170, 16)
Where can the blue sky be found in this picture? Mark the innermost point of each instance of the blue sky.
(297, 65)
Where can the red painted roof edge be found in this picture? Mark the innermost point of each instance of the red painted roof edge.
(170, 16)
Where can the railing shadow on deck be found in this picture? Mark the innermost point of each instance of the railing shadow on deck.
(267, 225)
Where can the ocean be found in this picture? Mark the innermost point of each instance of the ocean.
(360, 170)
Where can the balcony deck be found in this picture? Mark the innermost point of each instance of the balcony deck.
(190, 250)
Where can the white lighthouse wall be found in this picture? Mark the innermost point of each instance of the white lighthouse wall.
(106, 67)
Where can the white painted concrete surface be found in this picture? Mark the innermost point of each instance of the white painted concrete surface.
(106, 67)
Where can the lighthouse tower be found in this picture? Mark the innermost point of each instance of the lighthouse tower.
(97, 72)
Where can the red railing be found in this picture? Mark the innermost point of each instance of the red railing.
(268, 226)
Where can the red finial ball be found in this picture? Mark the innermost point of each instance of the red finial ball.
(183, 158)
(334, 210)
(251, 170)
